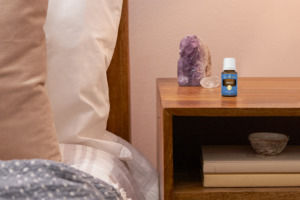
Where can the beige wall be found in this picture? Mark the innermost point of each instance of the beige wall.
(263, 35)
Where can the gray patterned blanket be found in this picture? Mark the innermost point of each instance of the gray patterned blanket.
(43, 179)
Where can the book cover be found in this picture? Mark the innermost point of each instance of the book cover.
(242, 159)
(252, 180)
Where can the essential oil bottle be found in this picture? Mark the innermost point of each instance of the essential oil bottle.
(229, 78)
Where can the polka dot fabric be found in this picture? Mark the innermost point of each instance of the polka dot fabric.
(43, 180)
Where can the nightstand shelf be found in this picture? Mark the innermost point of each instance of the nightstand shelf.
(189, 117)
(188, 186)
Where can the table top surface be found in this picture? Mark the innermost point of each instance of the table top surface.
(253, 92)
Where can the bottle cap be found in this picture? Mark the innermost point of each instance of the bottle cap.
(229, 64)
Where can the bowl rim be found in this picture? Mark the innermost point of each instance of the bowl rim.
(287, 137)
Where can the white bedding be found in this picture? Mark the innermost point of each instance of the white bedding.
(135, 179)
(81, 37)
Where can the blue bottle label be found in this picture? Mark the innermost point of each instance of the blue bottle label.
(229, 84)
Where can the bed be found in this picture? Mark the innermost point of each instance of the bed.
(70, 166)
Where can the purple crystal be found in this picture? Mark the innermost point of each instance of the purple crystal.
(194, 62)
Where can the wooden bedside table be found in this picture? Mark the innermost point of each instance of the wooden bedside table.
(189, 117)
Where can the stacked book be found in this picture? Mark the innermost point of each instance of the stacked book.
(239, 166)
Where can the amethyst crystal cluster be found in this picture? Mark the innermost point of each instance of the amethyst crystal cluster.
(194, 62)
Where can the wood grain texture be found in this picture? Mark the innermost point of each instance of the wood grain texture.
(160, 145)
(257, 97)
(194, 190)
(225, 195)
(252, 93)
(118, 81)
(168, 153)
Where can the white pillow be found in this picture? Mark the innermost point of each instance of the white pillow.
(81, 36)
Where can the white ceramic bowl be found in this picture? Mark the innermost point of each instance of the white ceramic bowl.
(268, 143)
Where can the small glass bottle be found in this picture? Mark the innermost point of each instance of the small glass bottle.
(229, 78)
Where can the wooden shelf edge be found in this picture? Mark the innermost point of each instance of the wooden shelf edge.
(238, 196)
(197, 192)
(192, 189)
